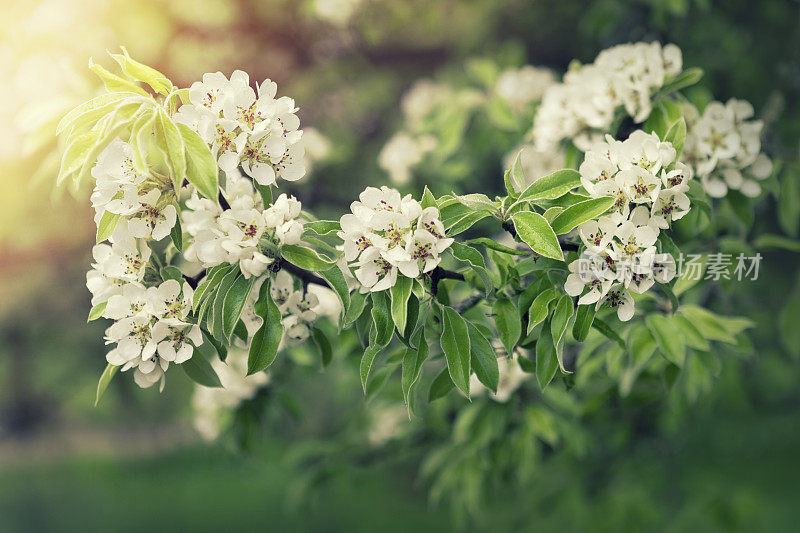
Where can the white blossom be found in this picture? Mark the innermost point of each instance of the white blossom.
(520, 87)
(241, 127)
(621, 252)
(387, 234)
(724, 147)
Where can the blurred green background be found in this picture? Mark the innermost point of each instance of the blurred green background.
(727, 462)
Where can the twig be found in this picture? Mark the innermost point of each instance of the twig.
(440, 273)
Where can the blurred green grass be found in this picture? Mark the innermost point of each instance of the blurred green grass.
(731, 469)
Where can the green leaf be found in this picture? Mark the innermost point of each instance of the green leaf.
(687, 78)
(358, 302)
(412, 366)
(234, 303)
(209, 284)
(606, 330)
(335, 278)
(558, 327)
(114, 83)
(583, 322)
(552, 186)
(657, 122)
(105, 379)
(400, 292)
(93, 109)
(440, 386)
(322, 227)
(677, 136)
(540, 308)
(222, 351)
(266, 193)
(511, 177)
(496, 246)
(142, 72)
(216, 321)
(267, 339)
(537, 233)
(171, 272)
(428, 199)
(200, 370)
(382, 317)
(484, 359)
(201, 167)
(546, 360)
(323, 345)
(581, 212)
(455, 343)
(369, 356)
(171, 141)
(507, 320)
(769, 241)
(475, 259)
(669, 338)
(551, 213)
(412, 316)
(107, 225)
(305, 258)
(176, 233)
(707, 323)
(97, 311)
(694, 339)
(462, 224)
(477, 202)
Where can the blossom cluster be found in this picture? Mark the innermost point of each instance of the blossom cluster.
(386, 234)
(243, 128)
(143, 202)
(520, 87)
(298, 307)
(724, 147)
(150, 328)
(584, 104)
(246, 233)
(620, 254)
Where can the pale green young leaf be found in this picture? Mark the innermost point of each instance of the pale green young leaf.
(107, 225)
(201, 167)
(97, 311)
(105, 380)
(114, 83)
(141, 72)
